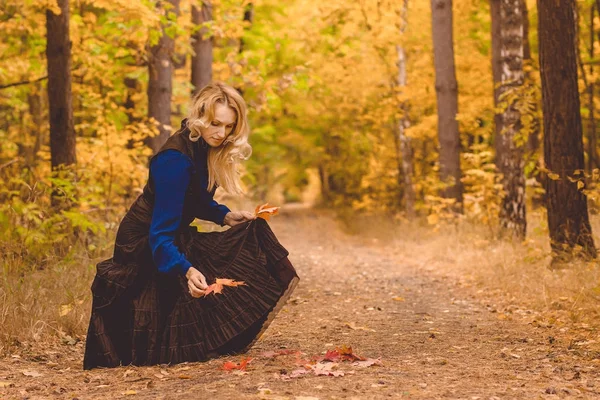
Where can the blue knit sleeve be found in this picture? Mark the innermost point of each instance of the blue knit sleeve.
(171, 173)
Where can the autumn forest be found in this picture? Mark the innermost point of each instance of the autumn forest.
(451, 144)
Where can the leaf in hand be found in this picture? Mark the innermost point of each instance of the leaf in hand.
(220, 283)
(265, 211)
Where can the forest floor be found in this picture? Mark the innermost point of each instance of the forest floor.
(436, 337)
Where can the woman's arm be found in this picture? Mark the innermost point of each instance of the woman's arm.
(171, 172)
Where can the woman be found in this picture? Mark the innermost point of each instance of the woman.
(148, 299)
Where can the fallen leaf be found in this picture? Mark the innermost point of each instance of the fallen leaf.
(129, 393)
(65, 309)
(353, 326)
(343, 353)
(326, 369)
(5, 384)
(368, 362)
(398, 298)
(33, 374)
(299, 372)
(273, 354)
(230, 366)
(266, 211)
(184, 377)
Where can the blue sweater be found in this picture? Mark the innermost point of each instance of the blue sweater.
(171, 172)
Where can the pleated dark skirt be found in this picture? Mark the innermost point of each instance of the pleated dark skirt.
(143, 317)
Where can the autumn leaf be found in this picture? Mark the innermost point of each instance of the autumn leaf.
(326, 369)
(220, 283)
(265, 211)
(273, 354)
(368, 362)
(343, 353)
(230, 366)
(353, 326)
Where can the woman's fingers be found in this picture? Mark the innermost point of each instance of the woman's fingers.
(199, 281)
(248, 215)
(195, 291)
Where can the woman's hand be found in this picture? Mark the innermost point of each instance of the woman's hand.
(233, 218)
(196, 282)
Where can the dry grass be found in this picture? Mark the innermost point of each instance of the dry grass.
(37, 305)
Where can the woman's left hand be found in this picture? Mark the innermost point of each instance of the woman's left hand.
(234, 218)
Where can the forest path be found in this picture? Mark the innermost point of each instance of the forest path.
(434, 337)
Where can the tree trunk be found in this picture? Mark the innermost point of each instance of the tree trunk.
(203, 47)
(447, 99)
(592, 139)
(160, 85)
(568, 219)
(507, 59)
(58, 54)
(404, 143)
(248, 17)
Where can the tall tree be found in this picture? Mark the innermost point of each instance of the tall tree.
(507, 67)
(568, 219)
(446, 88)
(202, 44)
(160, 75)
(248, 18)
(60, 99)
(592, 136)
(403, 142)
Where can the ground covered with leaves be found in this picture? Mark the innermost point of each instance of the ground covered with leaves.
(369, 320)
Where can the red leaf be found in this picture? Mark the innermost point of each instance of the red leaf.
(230, 366)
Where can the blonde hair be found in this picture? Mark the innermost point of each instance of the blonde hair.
(222, 161)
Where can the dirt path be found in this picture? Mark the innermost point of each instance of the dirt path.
(435, 338)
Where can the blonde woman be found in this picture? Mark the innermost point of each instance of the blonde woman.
(148, 299)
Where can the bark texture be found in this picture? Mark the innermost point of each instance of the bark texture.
(446, 88)
(160, 82)
(203, 47)
(404, 142)
(507, 59)
(568, 219)
(58, 54)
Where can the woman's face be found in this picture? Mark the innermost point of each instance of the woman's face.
(220, 127)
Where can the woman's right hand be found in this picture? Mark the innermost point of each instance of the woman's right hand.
(196, 282)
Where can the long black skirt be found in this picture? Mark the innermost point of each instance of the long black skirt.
(143, 317)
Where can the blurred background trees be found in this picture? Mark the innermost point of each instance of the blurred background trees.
(426, 110)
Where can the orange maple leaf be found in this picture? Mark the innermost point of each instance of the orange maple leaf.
(230, 366)
(220, 283)
(266, 211)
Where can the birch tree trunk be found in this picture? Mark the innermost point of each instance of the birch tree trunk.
(203, 47)
(160, 85)
(446, 89)
(58, 54)
(404, 142)
(507, 59)
(568, 219)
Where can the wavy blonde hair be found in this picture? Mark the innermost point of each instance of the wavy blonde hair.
(222, 161)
